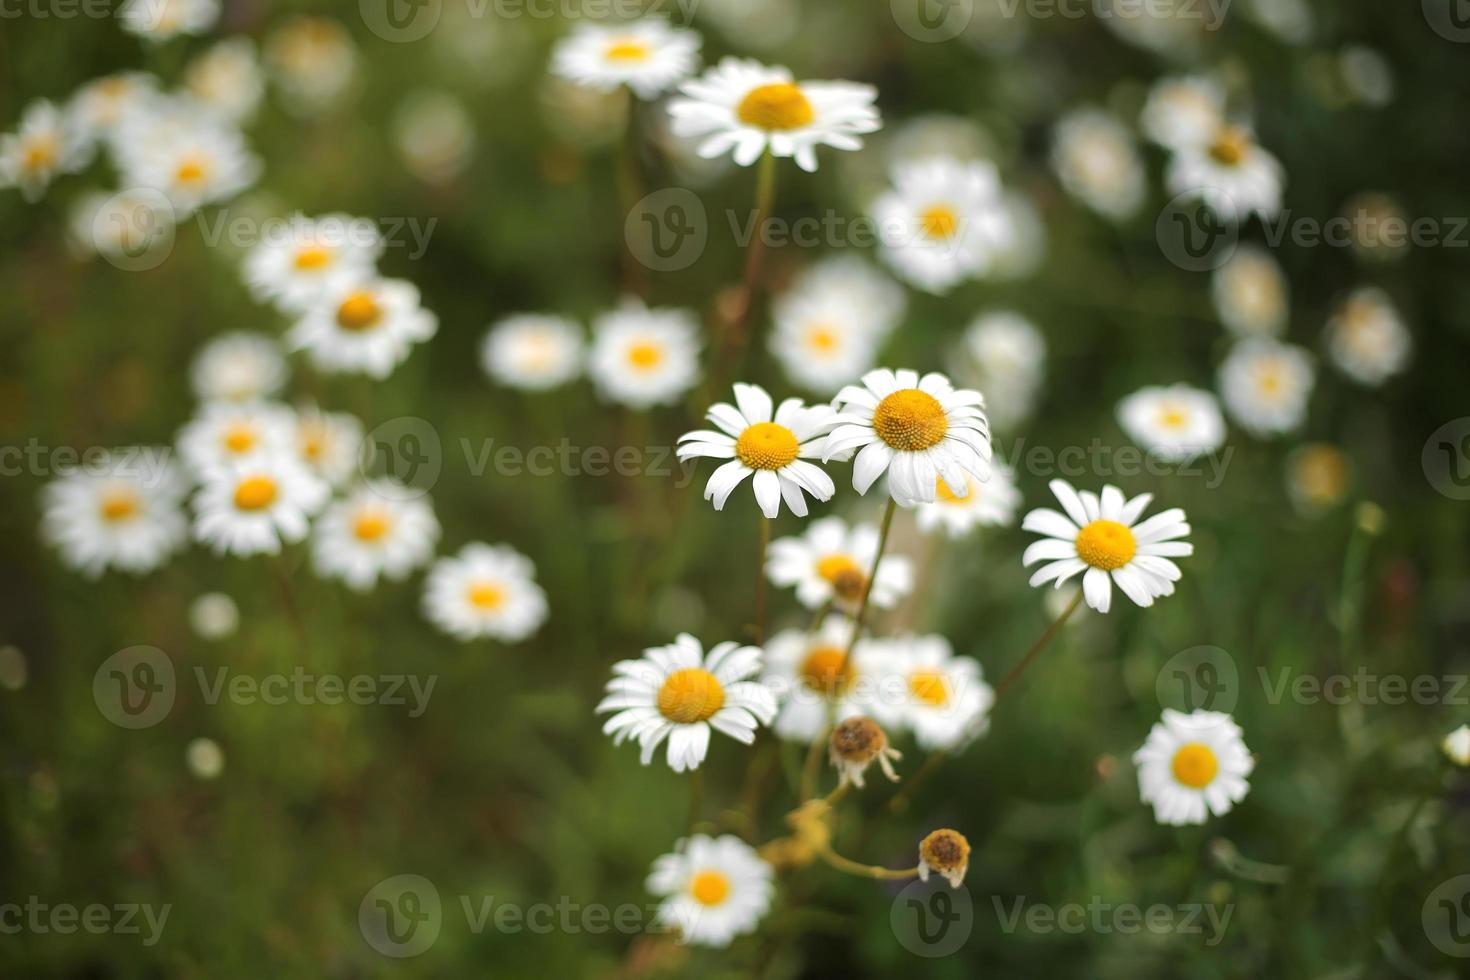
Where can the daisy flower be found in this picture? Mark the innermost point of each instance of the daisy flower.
(532, 351)
(1103, 538)
(1456, 746)
(915, 429)
(159, 20)
(214, 616)
(295, 269)
(648, 56)
(678, 693)
(713, 889)
(1266, 385)
(992, 504)
(364, 326)
(810, 673)
(1231, 173)
(252, 506)
(855, 745)
(1250, 293)
(226, 79)
(745, 108)
(1317, 476)
(485, 590)
(313, 62)
(327, 443)
(435, 136)
(847, 275)
(643, 357)
(238, 367)
(944, 221)
(102, 103)
(186, 153)
(831, 322)
(1183, 111)
(122, 512)
(225, 432)
(1006, 356)
(1367, 338)
(1193, 765)
(945, 853)
(131, 225)
(770, 443)
(941, 698)
(46, 143)
(830, 563)
(1174, 423)
(376, 530)
(1097, 162)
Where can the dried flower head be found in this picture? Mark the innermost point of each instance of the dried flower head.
(947, 852)
(856, 744)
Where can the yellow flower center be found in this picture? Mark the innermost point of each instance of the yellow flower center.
(822, 338)
(1322, 473)
(1270, 379)
(910, 420)
(848, 580)
(313, 257)
(827, 670)
(240, 438)
(628, 49)
(930, 687)
(940, 221)
(370, 525)
(709, 887)
(945, 495)
(690, 695)
(118, 507)
(313, 441)
(191, 171)
(766, 446)
(1195, 765)
(1173, 417)
(1230, 147)
(486, 596)
(40, 154)
(645, 356)
(1106, 545)
(359, 311)
(255, 493)
(781, 106)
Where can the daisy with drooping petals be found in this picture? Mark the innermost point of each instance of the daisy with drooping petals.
(943, 222)
(770, 443)
(1175, 423)
(1104, 538)
(992, 503)
(647, 55)
(677, 693)
(123, 513)
(745, 108)
(855, 745)
(917, 430)
(1183, 111)
(714, 889)
(485, 590)
(945, 853)
(1231, 173)
(532, 351)
(46, 143)
(327, 443)
(238, 367)
(186, 153)
(1266, 385)
(643, 357)
(252, 506)
(293, 269)
(1192, 766)
(830, 563)
(368, 326)
(1250, 293)
(377, 530)
(810, 673)
(159, 20)
(941, 698)
(1367, 338)
(225, 432)
(1096, 160)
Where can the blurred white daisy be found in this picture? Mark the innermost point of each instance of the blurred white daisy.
(943, 221)
(1266, 385)
(224, 432)
(810, 674)
(882, 298)
(1174, 423)
(485, 591)
(435, 135)
(159, 20)
(744, 108)
(1250, 293)
(1456, 746)
(121, 511)
(1005, 356)
(226, 79)
(295, 267)
(190, 156)
(1096, 160)
(534, 351)
(830, 563)
(678, 693)
(643, 357)
(1104, 538)
(363, 326)
(252, 506)
(1192, 766)
(941, 698)
(713, 889)
(1183, 111)
(831, 321)
(98, 106)
(376, 530)
(1367, 339)
(128, 226)
(1318, 475)
(214, 616)
(1231, 173)
(313, 62)
(327, 443)
(47, 142)
(646, 55)
(237, 367)
(992, 503)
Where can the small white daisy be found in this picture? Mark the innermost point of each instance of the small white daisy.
(377, 530)
(941, 698)
(1231, 173)
(648, 56)
(830, 563)
(1192, 766)
(485, 591)
(745, 108)
(1096, 160)
(1174, 423)
(533, 351)
(102, 103)
(226, 79)
(327, 443)
(312, 61)
(225, 432)
(713, 889)
(992, 504)
(295, 269)
(128, 226)
(1266, 385)
(159, 20)
(214, 616)
(190, 156)
(643, 357)
(1318, 475)
(915, 429)
(810, 674)
(46, 143)
(1456, 746)
(123, 512)
(943, 222)
(1005, 354)
(678, 693)
(1250, 293)
(1367, 339)
(831, 322)
(1183, 111)
(364, 326)
(252, 506)
(1104, 538)
(238, 367)
(434, 134)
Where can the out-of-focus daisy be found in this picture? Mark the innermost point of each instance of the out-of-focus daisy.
(1380, 228)
(1104, 538)
(313, 61)
(130, 225)
(1367, 75)
(848, 275)
(678, 693)
(942, 222)
(1290, 20)
(811, 674)
(744, 108)
(1250, 293)
(914, 429)
(1005, 355)
(214, 616)
(120, 512)
(713, 889)
(375, 530)
(855, 745)
(830, 323)
(327, 443)
(946, 853)
(224, 432)
(1231, 173)
(364, 326)
(992, 503)
(1192, 766)
(485, 590)
(46, 143)
(159, 20)
(1317, 476)
(646, 55)
(252, 506)
(238, 367)
(435, 135)
(1266, 385)
(295, 268)
(1367, 339)
(534, 351)
(1456, 746)
(1173, 423)
(102, 103)
(643, 357)
(1096, 160)
(226, 79)
(587, 117)
(830, 563)
(1183, 111)
(186, 153)
(941, 698)
(769, 443)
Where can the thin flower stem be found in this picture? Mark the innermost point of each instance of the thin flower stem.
(861, 616)
(811, 770)
(630, 191)
(864, 870)
(696, 796)
(736, 331)
(760, 581)
(1037, 647)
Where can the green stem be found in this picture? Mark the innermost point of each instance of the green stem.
(760, 581)
(1037, 647)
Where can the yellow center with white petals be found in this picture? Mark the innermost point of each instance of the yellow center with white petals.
(847, 578)
(1270, 379)
(910, 420)
(359, 311)
(766, 446)
(940, 222)
(628, 49)
(709, 887)
(370, 525)
(485, 596)
(240, 438)
(779, 107)
(313, 257)
(255, 493)
(645, 356)
(191, 171)
(1106, 545)
(690, 695)
(827, 670)
(930, 687)
(118, 507)
(1230, 147)
(1173, 417)
(40, 154)
(1195, 765)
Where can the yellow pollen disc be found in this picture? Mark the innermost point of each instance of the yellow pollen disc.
(119, 507)
(1230, 147)
(1269, 380)
(930, 687)
(190, 172)
(910, 420)
(1322, 473)
(766, 446)
(822, 338)
(313, 257)
(1195, 765)
(628, 49)
(255, 493)
(826, 670)
(358, 311)
(939, 221)
(313, 442)
(781, 106)
(709, 887)
(690, 695)
(945, 495)
(39, 155)
(645, 356)
(483, 595)
(370, 525)
(240, 438)
(1106, 545)
(848, 580)
(1173, 418)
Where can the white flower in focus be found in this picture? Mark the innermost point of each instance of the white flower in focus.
(485, 591)
(47, 142)
(1231, 173)
(532, 351)
(1266, 385)
(226, 79)
(941, 698)
(1192, 766)
(376, 530)
(1096, 160)
(255, 505)
(1183, 111)
(296, 267)
(122, 512)
(643, 357)
(809, 671)
(1367, 339)
(1250, 293)
(830, 563)
(713, 889)
(364, 326)
(646, 55)
(238, 367)
(943, 222)
(991, 504)
(1174, 423)
(225, 432)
